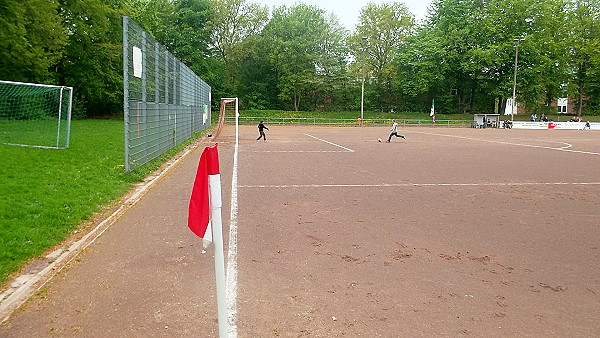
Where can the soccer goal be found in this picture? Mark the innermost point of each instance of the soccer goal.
(229, 106)
(35, 115)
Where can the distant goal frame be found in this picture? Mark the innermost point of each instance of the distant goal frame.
(62, 115)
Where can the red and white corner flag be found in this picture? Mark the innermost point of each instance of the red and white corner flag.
(206, 195)
(204, 219)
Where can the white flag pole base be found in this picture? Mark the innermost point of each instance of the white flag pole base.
(217, 229)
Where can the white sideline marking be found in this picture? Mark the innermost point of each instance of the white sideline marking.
(300, 151)
(395, 185)
(566, 148)
(231, 278)
(337, 145)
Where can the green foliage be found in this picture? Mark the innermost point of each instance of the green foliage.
(383, 30)
(256, 80)
(92, 64)
(544, 110)
(234, 26)
(478, 51)
(305, 49)
(31, 40)
(248, 19)
(289, 54)
(585, 55)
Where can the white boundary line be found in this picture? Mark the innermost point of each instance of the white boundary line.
(565, 148)
(337, 145)
(301, 151)
(231, 277)
(395, 185)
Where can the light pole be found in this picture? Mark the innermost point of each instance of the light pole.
(362, 93)
(514, 93)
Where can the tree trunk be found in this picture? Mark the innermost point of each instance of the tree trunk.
(580, 88)
(296, 101)
(580, 99)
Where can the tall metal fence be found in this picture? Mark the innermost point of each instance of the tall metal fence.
(165, 102)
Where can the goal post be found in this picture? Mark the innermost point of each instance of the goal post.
(229, 106)
(35, 115)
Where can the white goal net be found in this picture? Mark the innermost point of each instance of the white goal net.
(35, 115)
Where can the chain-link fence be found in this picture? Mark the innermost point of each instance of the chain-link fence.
(165, 102)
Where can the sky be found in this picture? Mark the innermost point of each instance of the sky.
(347, 11)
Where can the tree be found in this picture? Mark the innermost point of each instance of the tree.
(449, 27)
(550, 37)
(155, 16)
(232, 22)
(422, 73)
(92, 63)
(257, 79)
(585, 55)
(182, 27)
(304, 46)
(189, 35)
(542, 60)
(32, 40)
(385, 29)
(477, 42)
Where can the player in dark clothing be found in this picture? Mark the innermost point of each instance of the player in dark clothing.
(261, 131)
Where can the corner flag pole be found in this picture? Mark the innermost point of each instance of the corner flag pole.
(215, 215)
(204, 219)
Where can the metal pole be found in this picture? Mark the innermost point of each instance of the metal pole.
(126, 89)
(69, 111)
(217, 228)
(362, 93)
(512, 110)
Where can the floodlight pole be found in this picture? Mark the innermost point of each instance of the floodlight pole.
(514, 93)
(362, 93)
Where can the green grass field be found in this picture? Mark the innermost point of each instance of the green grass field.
(41, 133)
(46, 193)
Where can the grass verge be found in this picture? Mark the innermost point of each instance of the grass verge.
(45, 194)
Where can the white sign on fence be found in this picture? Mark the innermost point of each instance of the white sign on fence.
(137, 62)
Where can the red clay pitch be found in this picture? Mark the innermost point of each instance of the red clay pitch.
(451, 232)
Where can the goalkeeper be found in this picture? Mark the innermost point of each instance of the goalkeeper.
(261, 132)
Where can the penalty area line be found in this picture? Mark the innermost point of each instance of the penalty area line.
(333, 144)
(565, 148)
